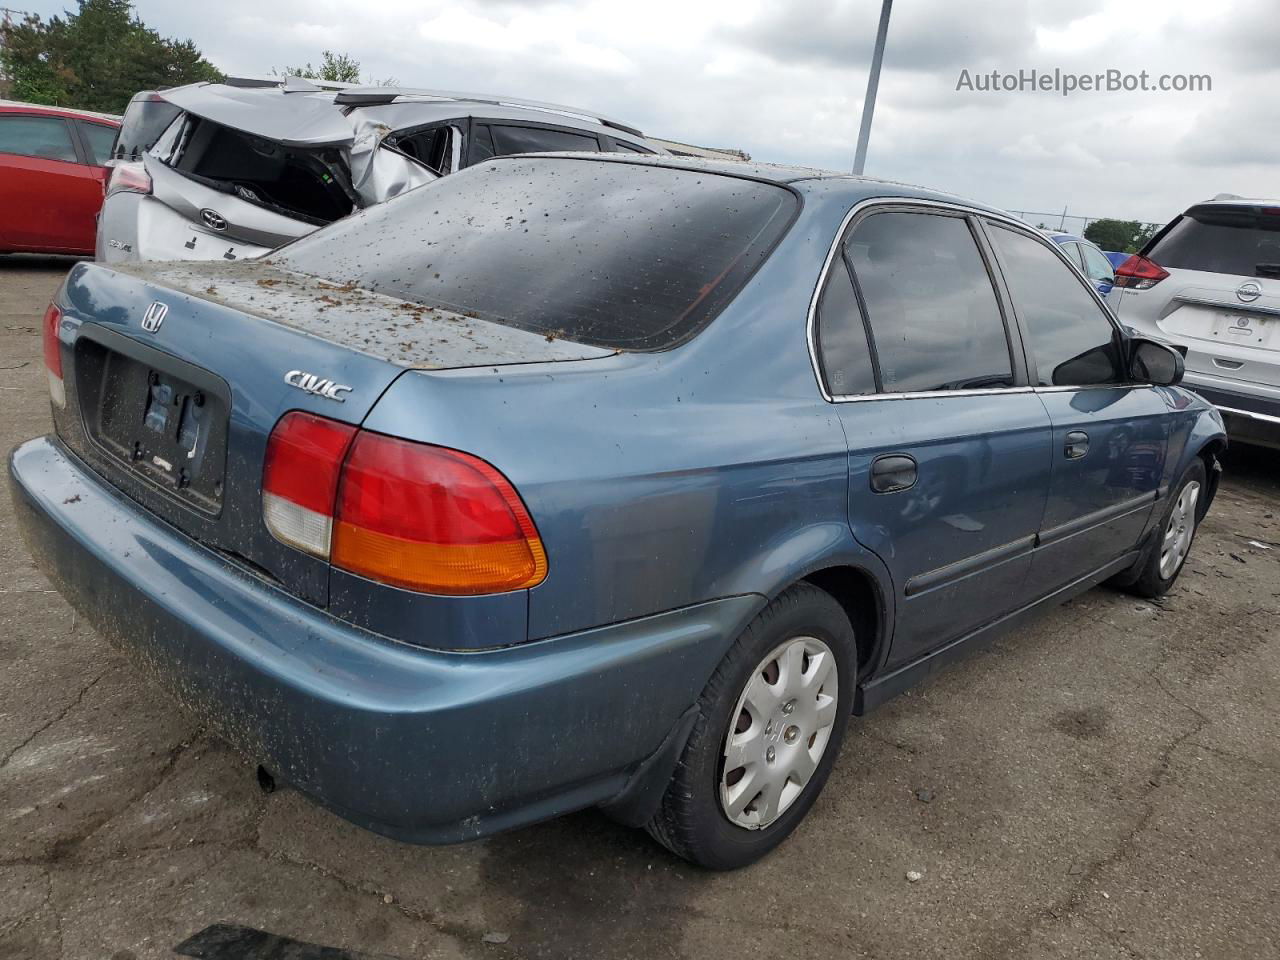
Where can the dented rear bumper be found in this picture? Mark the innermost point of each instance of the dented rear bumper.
(423, 745)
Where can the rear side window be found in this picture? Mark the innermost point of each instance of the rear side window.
(144, 120)
(842, 337)
(1096, 265)
(621, 146)
(509, 140)
(1244, 241)
(930, 303)
(1072, 340)
(432, 148)
(620, 255)
(48, 138)
(100, 137)
(1072, 250)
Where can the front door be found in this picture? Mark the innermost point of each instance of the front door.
(1109, 434)
(48, 197)
(949, 448)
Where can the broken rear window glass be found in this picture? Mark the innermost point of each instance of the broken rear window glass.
(619, 255)
(306, 184)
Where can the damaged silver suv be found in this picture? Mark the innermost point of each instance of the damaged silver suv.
(242, 169)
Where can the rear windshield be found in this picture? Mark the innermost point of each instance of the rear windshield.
(309, 184)
(144, 121)
(1244, 241)
(619, 255)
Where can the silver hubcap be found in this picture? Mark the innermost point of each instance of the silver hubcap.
(1182, 527)
(780, 730)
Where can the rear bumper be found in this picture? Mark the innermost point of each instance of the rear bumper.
(1251, 411)
(422, 745)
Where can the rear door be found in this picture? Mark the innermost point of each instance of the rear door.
(49, 197)
(948, 446)
(1109, 435)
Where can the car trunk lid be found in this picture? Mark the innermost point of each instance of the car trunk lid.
(179, 372)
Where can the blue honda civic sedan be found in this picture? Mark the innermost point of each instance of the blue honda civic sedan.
(583, 480)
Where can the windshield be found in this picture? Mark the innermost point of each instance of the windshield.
(619, 255)
(1240, 240)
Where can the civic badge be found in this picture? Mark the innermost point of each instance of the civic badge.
(1248, 292)
(320, 386)
(213, 219)
(154, 316)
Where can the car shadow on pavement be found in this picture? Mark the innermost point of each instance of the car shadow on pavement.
(38, 261)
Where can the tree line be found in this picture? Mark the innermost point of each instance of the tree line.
(101, 54)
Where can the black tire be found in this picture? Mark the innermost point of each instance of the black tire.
(1149, 583)
(690, 821)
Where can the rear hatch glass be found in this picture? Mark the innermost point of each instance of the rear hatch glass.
(1243, 240)
(307, 183)
(615, 254)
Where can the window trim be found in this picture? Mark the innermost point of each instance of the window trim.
(1033, 372)
(1014, 335)
(73, 134)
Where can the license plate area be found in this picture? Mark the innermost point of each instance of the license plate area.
(1245, 329)
(159, 417)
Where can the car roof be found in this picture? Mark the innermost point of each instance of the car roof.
(362, 96)
(17, 106)
(1231, 199)
(413, 112)
(296, 111)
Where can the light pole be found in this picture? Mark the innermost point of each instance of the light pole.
(873, 84)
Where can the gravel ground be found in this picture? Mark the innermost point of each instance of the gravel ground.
(1102, 785)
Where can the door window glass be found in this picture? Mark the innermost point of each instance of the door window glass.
(431, 148)
(842, 337)
(509, 140)
(46, 137)
(100, 138)
(1096, 265)
(930, 303)
(1073, 341)
(481, 143)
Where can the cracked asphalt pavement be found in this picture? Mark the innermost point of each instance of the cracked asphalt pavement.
(1101, 785)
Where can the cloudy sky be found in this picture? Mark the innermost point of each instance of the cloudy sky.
(784, 80)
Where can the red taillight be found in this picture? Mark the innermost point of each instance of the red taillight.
(413, 515)
(1139, 273)
(53, 355)
(432, 519)
(128, 178)
(300, 479)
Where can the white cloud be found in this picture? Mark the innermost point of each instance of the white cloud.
(785, 81)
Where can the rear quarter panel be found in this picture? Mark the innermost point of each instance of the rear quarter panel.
(660, 480)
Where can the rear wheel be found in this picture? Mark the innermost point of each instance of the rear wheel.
(769, 728)
(1167, 554)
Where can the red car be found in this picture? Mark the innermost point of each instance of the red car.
(51, 176)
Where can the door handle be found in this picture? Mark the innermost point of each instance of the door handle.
(1077, 445)
(893, 472)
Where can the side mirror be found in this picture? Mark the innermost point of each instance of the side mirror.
(1154, 363)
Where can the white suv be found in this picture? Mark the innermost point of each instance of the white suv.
(1209, 284)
